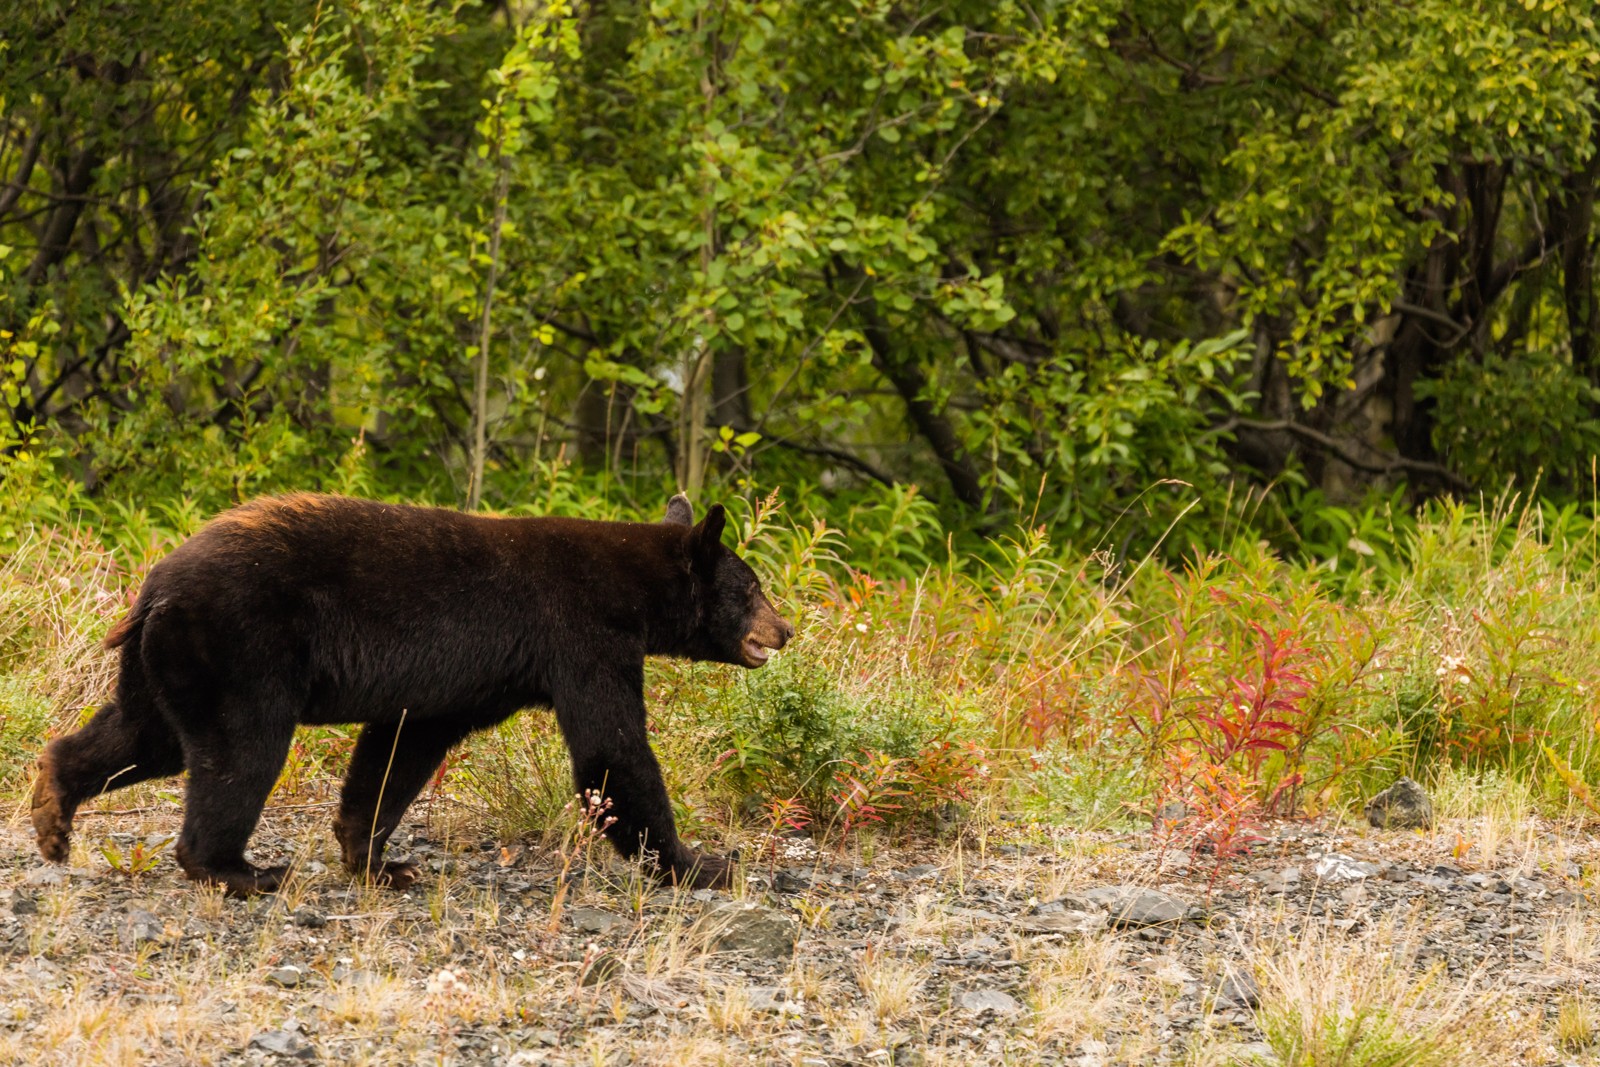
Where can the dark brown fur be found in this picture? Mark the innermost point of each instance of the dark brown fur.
(426, 625)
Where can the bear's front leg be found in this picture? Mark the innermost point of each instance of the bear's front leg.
(611, 758)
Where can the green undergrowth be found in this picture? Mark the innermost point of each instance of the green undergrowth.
(1061, 687)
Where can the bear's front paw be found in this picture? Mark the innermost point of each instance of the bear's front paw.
(697, 870)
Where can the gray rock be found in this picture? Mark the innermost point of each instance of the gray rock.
(310, 918)
(978, 914)
(1335, 867)
(1403, 806)
(1277, 881)
(792, 881)
(287, 976)
(1238, 989)
(45, 876)
(979, 1001)
(743, 927)
(601, 969)
(284, 1043)
(1431, 881)
(1064, 922)
(1072, 901)
(595, 921)
(1132, 905)
(773, 1000)
(24, 905)
(141, 928)
(1487, 883)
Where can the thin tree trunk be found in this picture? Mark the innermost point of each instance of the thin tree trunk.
(698, 360)
(1573, 221)
(480, 393)
(912, 385)
(730, 389)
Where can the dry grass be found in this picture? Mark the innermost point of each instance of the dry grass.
(1334, 1001)
(893, 985)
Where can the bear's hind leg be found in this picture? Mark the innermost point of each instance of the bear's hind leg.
(126, 741)
(231, 774)
(391, 764)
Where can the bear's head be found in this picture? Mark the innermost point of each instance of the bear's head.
(735, 623)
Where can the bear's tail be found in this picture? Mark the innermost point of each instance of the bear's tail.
(127, 626)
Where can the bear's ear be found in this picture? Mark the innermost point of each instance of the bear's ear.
(706, 538)
(679, 511)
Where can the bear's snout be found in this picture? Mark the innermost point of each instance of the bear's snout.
(768, 635)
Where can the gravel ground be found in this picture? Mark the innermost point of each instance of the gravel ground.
(1023, 946)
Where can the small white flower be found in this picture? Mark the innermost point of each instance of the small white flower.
(861, 627)
(445, 982)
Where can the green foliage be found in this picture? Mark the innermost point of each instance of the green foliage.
(1488, 426)
(793, 732)
(1086, 259)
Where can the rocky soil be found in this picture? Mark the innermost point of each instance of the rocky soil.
(1023, 946)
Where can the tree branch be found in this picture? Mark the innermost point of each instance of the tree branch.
(1389, 464)
(19, 181)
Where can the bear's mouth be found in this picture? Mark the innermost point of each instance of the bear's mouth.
(755, 652)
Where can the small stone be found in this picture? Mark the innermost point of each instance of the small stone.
(774, 1000)
(45, 876)
(1403, 806)
(1137, 906)
(1093, 1053)
(1338, 868)
(602, 968)
(1277, 881)
(310, 918)
(979, 1001)
(792, 881)
(141, 928)
(742, 927)
(24, 905)
(1064, 922)
(1239, 989)
(284, 1043)
(287, 976)
(595, 921)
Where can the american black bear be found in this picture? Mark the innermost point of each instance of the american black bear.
(426, 625)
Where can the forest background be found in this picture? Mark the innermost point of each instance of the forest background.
(1212, 383)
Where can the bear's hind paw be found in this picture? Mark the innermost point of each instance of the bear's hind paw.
(702, 871)
(392, 875)
(51, 824)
